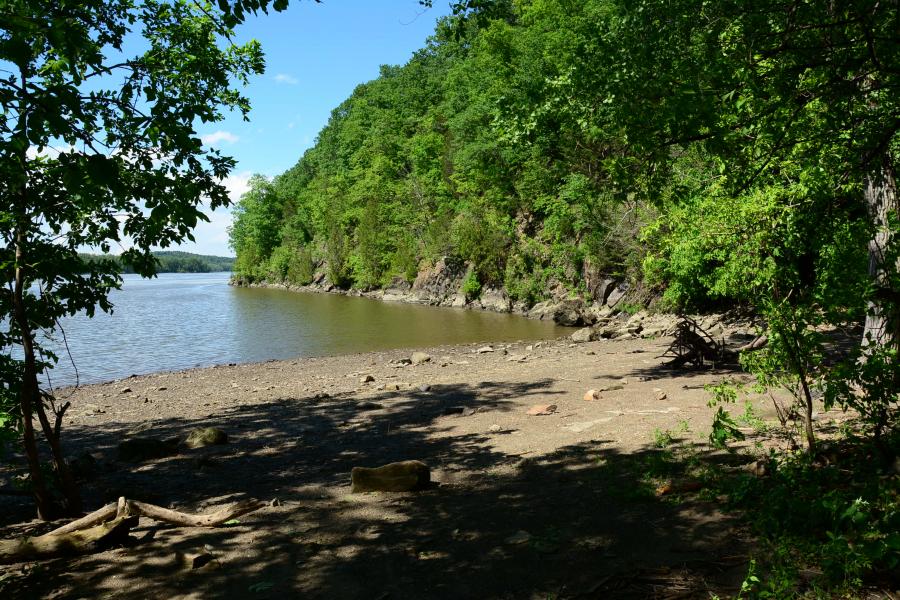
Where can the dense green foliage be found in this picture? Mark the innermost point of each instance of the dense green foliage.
(174, 261)
(425, 161)
(96, 147)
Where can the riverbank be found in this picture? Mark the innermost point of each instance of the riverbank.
(522, 506)
(443, 284)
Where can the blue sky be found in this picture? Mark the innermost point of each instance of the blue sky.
(316, 54)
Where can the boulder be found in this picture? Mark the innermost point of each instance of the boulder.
(206, 436)
(542, 310)
(585, 334)
(636, 319)
(609, 331)
(419, 358)
(568, 313)
(597, 313)
(616, 295)
(603, 290)
(405, 476)
(495, 300)
(140, 449)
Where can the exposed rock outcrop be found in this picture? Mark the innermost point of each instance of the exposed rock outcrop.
(440, 284)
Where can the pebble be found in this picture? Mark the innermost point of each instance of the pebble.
(495, 428)
(484, 350)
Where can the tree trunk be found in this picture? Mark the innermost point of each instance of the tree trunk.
(882, 318)
(66, 479)
(29, 396)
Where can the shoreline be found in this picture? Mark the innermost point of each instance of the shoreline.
(616, 327)
(442, 286)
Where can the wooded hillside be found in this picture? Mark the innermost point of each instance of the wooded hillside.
(702, 152)
(174, 261)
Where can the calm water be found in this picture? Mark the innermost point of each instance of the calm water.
(185, 320)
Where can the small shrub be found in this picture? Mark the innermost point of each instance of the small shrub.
(471, 287)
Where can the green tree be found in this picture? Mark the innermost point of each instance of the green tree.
(256, 227)
(798, 104)
(98, 147)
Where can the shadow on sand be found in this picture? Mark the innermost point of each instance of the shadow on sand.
(580, 522)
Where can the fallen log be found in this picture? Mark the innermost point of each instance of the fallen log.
(87, 541)
(134, 507)
(98, 516)
(109, 526)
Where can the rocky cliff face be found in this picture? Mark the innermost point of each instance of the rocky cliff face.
(441, 285)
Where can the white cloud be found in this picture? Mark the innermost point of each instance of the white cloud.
(212, 237)
(211, 139)
(285, 78)
(237, 184)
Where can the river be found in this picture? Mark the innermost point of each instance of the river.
(182, 320)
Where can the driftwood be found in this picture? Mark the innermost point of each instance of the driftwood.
(109, 526)
(133, 507)
(98, 516)
(694, 345)
(86, 541)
